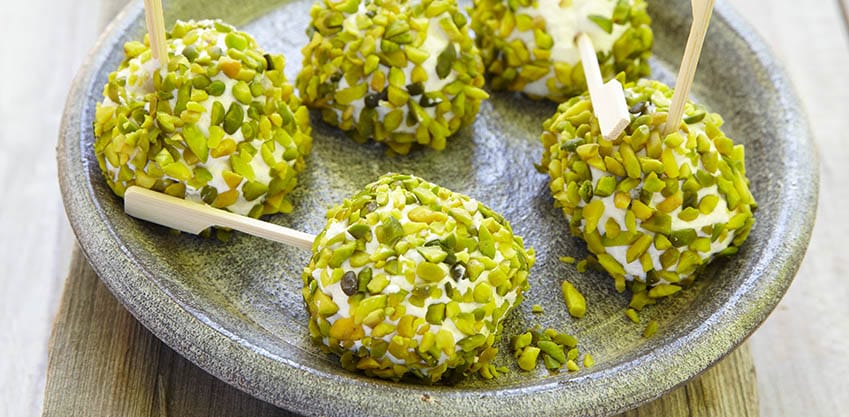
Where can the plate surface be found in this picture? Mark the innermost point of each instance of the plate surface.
(235, 308)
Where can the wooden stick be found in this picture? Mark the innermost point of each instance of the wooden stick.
(155, 21)
(194, 218)
(608, 99)
(702, 11)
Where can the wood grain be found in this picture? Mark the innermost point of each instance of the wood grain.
(801, 352)
(103, 362)
(44, 43)
(844, 8)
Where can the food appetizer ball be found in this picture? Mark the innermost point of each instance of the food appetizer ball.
(529, 46)
(399, 72)
(651, 208)
(219, 124)
(410, 278)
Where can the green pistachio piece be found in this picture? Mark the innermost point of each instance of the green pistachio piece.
(196, 141)
(430, 272)
(445, 60)
(233, 118)
(389, 231)
(604, 23)
(528, 358)
(575, 301)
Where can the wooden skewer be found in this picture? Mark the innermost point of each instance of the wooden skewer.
(702, 11)
(608, 99)
(155, 21)
(191, 217)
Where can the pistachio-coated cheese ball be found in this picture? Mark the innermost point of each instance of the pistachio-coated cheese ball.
(218, 123)
(397, 71)
(529, 45)
(652, 208)
(410, 278)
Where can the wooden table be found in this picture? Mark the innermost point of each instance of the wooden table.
(102, 362)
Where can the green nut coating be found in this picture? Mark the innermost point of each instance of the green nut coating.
(653, 209)
(403, 260)
(170, 131)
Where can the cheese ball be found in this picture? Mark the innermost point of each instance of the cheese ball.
(218, 124)
(399, 72)
(529, 46)
(653, 209)
(410, 278)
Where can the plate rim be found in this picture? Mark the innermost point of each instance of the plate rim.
(260, 374)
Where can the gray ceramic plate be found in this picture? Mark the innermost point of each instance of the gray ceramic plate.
(235, 309)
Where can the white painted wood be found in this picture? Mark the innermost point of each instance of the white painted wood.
(801, 352)
(608, 99)
(702, 11)
(194, 218)
(43, 45)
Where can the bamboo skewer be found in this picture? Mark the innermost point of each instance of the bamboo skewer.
(191, 217)
(702, 11)
(155, 21)
(608, 99)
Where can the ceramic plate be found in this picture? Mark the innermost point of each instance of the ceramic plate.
(235, 308)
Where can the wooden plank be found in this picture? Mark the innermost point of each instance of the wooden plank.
(727, 389)
(44, 44)
(103, 362)
(800, 352)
